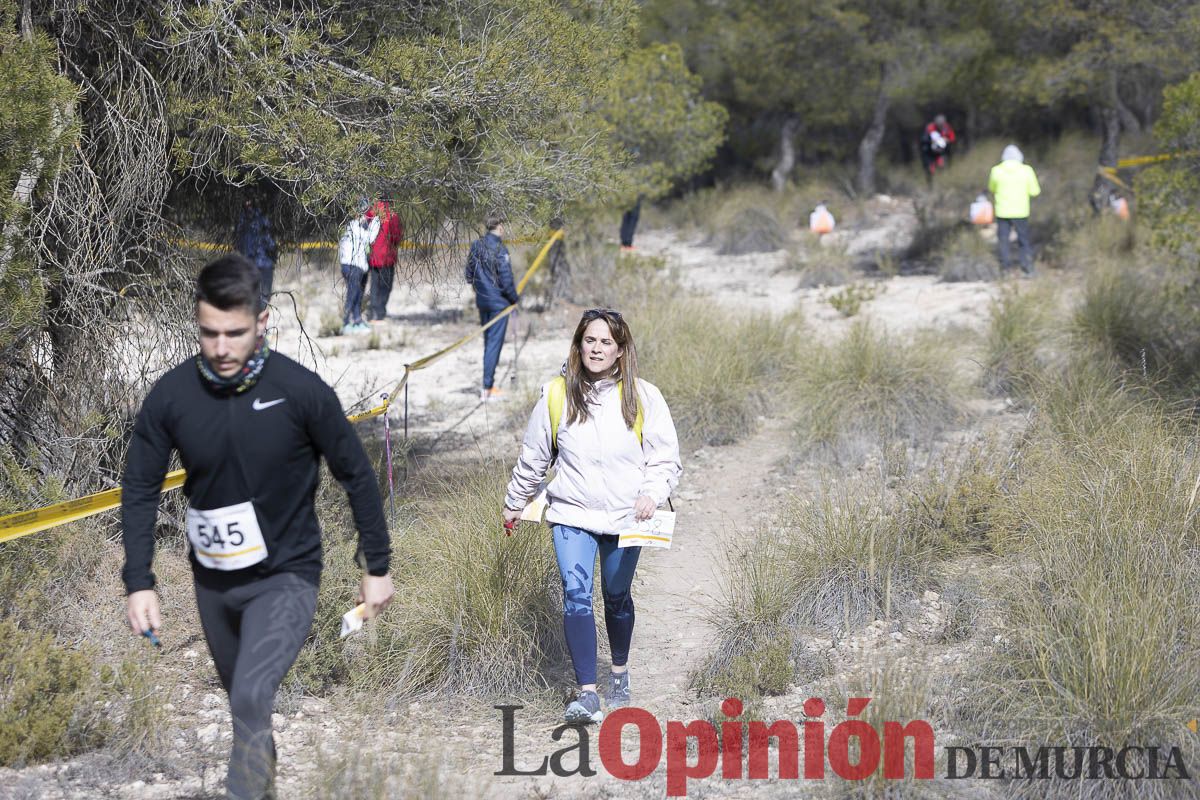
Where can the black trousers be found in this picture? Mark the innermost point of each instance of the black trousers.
(1021, 226)
(254, 633)
(381, 290)
(629, 223)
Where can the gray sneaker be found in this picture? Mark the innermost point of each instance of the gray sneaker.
(618, 690)
(585, 708)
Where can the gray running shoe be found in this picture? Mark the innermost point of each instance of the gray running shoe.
(618, 690)
(585, 708)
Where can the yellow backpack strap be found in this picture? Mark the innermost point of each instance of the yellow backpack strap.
(556, 398)
(639, 419)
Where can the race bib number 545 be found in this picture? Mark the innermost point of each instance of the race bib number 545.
(226, 538)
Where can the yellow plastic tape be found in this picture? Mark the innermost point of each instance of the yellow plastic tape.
(14, 526)
(24, 523)
(192, 244)
(1138, 161)
(1110, 174)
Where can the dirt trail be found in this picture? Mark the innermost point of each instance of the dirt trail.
(725, 491)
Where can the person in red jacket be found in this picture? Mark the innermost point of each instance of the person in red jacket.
(935, 144)
(382, 258)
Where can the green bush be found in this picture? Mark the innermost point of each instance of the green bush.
(1118, 314)
(756, 611)
(715, 369)
(967, 256)
(849, 300)
(1018, 329)
(44, 687)
(1102, 616)
(870, 388)
(476, 612)
(820, 266)
(749, 221)
(828, 566)
(853, 561)
(952, 499)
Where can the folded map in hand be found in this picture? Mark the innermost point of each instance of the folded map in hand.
(653, 532)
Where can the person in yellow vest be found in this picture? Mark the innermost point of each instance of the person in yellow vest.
(1012, 183)
(617, 462)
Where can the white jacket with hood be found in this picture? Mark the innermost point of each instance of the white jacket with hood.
(356, 241)
(601, 467)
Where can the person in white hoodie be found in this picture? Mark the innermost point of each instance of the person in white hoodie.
(353, 249)
(607, 477)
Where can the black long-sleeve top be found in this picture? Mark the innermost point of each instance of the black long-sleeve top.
(249, 446)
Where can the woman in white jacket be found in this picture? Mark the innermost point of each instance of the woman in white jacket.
(606, 478)
(353, 248)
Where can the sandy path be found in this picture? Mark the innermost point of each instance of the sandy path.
(724, 491)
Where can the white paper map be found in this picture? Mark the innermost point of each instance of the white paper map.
(536, 508)
(352, 620)
(654, 532)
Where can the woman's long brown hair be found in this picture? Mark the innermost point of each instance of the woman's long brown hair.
(625, 371)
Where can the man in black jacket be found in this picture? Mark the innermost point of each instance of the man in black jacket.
(250, 427)
(489, 271)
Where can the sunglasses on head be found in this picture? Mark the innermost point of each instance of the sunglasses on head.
(598, 313)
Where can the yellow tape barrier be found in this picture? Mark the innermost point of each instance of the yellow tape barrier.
(193, 244)
(24, 523)
(1110, 173)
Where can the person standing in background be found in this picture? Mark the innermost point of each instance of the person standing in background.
(356, 241)
(629, 223)
(936, 141)
(382, 258)
(489, 271)
(1012, 183)
(254, 240)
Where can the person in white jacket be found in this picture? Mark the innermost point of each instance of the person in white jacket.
(605, 480)
(353, 248)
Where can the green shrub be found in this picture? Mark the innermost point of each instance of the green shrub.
(715, 369)
(136, 721)
(1083, 394)
(821, 266)
(44, 687)
(869, 388)
(828, 566)
(1102, 616)
(476, 612)
(952, 499)
(848, 301)
(1018, 329)
(853, 561)
(756, 611)
(1118, 313)
(1138, 305)
(967, 256)
(748, 222)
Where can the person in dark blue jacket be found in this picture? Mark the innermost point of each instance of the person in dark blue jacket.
(489, 270)
(253, 239)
